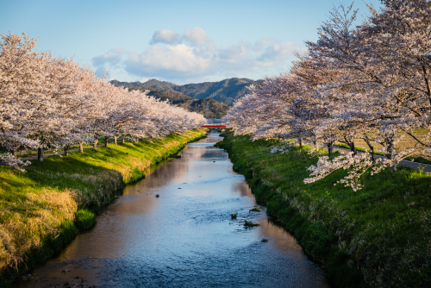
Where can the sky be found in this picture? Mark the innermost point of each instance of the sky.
(177, 41)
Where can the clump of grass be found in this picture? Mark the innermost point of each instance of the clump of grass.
(157, 195)
(85, 219)
(255, 209)
(249, 224)
(264, 240)
(233, 216)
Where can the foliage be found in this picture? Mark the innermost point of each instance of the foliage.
(370, 83)
(216, 108)
(36, 205)
(85, 219)
(376, 237)
(47, 102)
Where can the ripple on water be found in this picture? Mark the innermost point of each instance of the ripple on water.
(184, 238)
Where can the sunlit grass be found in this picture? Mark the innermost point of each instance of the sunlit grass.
(406, 142)
(378, 236)
(34, 205)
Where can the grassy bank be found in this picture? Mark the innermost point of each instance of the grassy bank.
(44, 208)
(379, 236)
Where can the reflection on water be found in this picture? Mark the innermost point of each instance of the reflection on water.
(184, 238)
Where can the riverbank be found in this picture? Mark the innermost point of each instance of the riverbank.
(43, 209)
(379, 236)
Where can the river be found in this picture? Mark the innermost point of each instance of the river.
(185, 237)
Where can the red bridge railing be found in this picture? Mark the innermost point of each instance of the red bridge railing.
(213, 126)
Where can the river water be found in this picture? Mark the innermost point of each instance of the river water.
(185, 237)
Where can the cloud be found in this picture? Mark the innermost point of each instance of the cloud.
(235, 51)
(278, 50)
(196, 36)
(165, 36)
(170, 60)
(194, 56)
(108, 58)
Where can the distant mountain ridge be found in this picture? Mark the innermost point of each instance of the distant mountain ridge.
(226, 91)
(216, 108)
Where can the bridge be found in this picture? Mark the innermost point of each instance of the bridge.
(214, 123)
(213, 126)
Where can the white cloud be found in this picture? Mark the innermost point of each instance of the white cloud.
(108, 58)
(170, 60)
(199, 57)
(234, 52)
(165, 36)
(196, 36)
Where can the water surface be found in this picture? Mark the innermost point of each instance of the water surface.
(185, 237)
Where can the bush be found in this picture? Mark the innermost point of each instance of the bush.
(85, 219)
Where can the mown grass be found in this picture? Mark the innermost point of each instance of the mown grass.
(41, 209)
(379, 236)
(406, 142)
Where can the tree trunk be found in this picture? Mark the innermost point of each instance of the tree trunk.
(106, 141)
(95, 143)
(391, 154)
(351, 144)
(300, 142)
(66, 150)
(372, 153)
(330, 148)
(14, 151)
(315, 143)
(81, 147)
(40, 154)
(353, 148)
(394, 168)
(122, 138)
(115, 140)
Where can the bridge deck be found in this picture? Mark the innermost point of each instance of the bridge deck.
(213, 126)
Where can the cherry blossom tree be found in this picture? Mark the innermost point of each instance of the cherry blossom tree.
(53, 103)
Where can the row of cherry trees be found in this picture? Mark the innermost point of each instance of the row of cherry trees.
(47, 102)
(370, 82)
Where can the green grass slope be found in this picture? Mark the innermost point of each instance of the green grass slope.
(42, 209)
(379, 236)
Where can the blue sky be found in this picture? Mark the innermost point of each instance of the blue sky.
(176, 41)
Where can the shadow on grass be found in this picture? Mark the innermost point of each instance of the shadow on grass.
(349, 233)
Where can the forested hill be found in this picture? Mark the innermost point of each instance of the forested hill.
(216, 108)
(226, 91)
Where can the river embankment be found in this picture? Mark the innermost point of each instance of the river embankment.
(379, 236)
(44, 208)
(175, 229)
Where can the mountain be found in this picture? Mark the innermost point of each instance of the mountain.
(160, 85)
(216, 108)
(226, 91)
